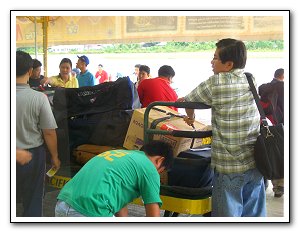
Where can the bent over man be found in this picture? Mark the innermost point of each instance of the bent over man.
(109, 181)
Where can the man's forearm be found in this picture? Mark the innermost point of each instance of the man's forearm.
(51, 142)
(152, 210)
(190, 113)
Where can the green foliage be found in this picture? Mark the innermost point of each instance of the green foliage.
(30, 50)
(268, 45)
(172, 47)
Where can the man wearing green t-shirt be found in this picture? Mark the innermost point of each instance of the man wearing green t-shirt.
(108, 182)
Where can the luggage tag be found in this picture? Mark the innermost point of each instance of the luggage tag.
(51, 172)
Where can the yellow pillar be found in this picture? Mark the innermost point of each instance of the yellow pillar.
(45, 43)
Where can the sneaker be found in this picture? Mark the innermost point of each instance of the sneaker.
(266, 183)
(278, 194)
(279, 191)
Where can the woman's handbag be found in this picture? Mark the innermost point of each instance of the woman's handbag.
(269, 147)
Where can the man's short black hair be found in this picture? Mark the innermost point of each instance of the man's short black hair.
(144, 68)
(36, 63)
(278, 73)
(162, 149)
(23, 62)
(166, 71)
(232, 50)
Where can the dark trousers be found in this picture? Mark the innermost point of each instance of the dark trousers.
(30, 183)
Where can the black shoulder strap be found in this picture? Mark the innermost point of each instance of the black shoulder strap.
(256, 98)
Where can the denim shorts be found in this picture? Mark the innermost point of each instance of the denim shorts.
(239, 195)
(62, 209)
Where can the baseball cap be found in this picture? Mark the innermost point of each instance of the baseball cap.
(85, 59)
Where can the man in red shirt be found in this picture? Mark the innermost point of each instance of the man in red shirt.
(158, 89)
(101, 75)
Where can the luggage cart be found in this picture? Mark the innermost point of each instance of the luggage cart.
(176, 199)
(179, 199)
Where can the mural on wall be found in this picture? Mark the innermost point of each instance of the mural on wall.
(274, 23)
(66, 29)
(150, 23)
(214, 22)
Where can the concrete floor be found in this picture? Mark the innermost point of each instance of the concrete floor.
(275, 206)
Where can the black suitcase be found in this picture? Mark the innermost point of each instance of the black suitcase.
(191, 169)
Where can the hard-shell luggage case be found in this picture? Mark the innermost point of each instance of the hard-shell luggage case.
(193, 173)
(85, 152)
(195, 165)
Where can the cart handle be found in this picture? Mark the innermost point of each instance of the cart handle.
(190, 105)
(175, 133)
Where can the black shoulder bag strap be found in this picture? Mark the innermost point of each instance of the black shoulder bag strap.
(256, 98)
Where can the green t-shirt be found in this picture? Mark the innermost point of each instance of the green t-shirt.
(110, 181)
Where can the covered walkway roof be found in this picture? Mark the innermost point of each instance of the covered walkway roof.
(46, 28)
(64, 30)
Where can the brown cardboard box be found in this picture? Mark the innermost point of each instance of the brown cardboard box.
(135, 135)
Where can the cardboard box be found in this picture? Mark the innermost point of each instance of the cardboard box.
(135, 135)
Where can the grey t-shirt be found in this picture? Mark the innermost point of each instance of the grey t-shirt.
(33, 113)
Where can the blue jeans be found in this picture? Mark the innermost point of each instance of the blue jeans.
(62, 209)
(239, 195)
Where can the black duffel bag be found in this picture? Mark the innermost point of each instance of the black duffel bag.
(269, 151)
(269, 146)
(103, 129)
(120, 94)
